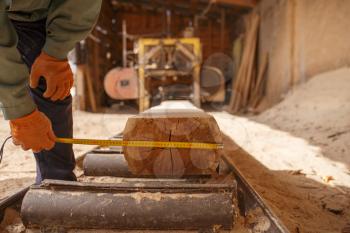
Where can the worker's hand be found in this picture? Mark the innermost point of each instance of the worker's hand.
(33, 131)
(57, 73)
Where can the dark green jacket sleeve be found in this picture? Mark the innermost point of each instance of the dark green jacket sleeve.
(68, 22)
(15, 100)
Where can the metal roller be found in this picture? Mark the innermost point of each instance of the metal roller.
(98, 164)
(106, 165)
(136, 206)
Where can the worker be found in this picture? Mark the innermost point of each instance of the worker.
(35, 77)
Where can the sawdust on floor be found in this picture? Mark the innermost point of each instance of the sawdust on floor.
(297, 153)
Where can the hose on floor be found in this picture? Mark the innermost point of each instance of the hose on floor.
(2, 148)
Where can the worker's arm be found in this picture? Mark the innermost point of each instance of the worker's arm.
(15, 100)
(67, 23)
(29, 128)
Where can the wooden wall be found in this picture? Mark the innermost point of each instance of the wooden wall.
(303, 38)
(99, 53)
(209, 31)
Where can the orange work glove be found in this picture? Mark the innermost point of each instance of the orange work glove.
(57, 73)
(33, 131)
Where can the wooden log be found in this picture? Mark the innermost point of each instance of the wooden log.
(186, 124)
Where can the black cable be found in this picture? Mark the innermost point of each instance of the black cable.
(2, 148)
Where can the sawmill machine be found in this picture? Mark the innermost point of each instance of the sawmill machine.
(164, 68)
(159, 69)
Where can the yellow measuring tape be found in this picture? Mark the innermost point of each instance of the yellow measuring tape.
(105, 143)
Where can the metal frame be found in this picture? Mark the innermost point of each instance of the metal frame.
(144, 97)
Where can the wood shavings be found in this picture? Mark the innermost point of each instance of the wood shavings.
(296, 172)
(327, 179)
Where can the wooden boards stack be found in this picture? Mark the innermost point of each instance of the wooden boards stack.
(186, 124)
(248, 86)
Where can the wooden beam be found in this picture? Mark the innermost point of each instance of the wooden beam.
(241, 3)
(186, 7)
(172, 122)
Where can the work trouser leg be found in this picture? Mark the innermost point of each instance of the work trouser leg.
(59, 162)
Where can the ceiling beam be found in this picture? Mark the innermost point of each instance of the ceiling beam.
(186, 7)
(241, 3)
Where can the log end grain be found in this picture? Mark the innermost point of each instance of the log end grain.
(189, 125)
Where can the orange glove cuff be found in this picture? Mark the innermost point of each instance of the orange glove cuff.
(49, 58)
(33, 131)
(57, 73)
(27, 121)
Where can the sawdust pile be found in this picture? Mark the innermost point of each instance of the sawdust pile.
(318, 112)
(296, 155)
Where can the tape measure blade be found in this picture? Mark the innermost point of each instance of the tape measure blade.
(154, 144)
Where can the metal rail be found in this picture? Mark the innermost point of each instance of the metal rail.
(249, 200)
(11, 200)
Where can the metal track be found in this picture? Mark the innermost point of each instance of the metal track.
(249, 201)
(12, 200)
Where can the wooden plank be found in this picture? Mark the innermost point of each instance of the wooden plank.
(80, 90)
(258, 92)
(241, 87)
(91, 92)
(251, 60)
(222, 30)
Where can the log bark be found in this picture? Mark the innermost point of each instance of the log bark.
(178, 125)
